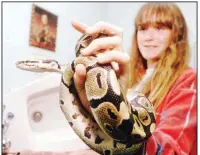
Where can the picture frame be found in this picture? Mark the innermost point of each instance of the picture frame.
(43, 29)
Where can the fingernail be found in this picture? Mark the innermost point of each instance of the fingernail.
(83, 51)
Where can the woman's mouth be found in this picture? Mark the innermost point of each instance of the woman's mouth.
(150, 46)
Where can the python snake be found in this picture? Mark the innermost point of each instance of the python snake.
(114, 126)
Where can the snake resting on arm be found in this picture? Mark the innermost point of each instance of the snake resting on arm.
(114, 126)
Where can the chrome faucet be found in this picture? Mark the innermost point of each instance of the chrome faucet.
(6, 145)
(5, 125)
(6, 121)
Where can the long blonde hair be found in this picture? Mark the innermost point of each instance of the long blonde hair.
(172, 62)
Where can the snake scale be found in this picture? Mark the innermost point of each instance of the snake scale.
(114, 126)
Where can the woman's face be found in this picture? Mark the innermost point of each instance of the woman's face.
(153, 41)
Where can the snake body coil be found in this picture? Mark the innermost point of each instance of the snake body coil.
(115, 126)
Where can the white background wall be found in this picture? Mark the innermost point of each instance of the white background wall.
(16, 27)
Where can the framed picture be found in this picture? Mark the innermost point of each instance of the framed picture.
(43, 29)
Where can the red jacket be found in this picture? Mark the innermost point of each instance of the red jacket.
(176, 120)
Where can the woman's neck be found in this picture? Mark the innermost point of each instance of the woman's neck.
(151, 64)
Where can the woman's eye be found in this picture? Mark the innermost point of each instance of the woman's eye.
(141, 28)
(160, 27)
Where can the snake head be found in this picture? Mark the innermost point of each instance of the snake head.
(47, 65)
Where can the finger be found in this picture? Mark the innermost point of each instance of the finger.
(106, 28)
(115, 66)
(121, 58)
(80, 75)
(102, 43)
(81, 27)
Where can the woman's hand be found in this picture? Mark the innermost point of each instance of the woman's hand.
(108, 50)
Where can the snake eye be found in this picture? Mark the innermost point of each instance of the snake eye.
(53, 64)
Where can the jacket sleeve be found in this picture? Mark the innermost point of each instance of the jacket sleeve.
(175, 132)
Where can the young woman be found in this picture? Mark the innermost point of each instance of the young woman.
(157, 67)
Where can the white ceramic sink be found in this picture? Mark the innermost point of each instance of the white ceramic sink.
(39, 123)
(44, 113)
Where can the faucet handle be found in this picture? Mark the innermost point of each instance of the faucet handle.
(10, 116)
(5, 126)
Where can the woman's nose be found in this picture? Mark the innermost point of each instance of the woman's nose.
(149, 35)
